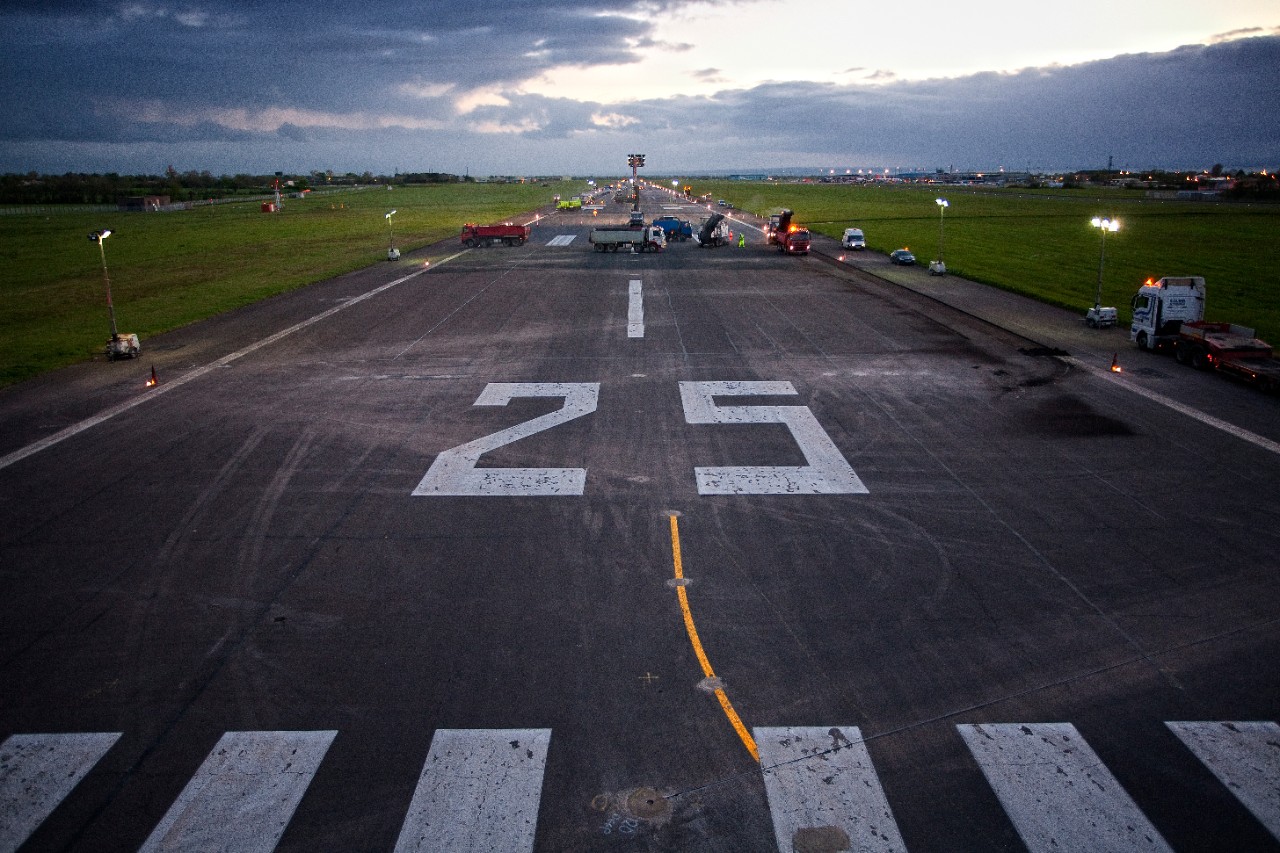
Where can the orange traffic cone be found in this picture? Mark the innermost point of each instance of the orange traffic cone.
(153, 381)
(1115, 363)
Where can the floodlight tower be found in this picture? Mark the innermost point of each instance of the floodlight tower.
(938, 267)
(635, 161)
(1097, 316)
(392, 252)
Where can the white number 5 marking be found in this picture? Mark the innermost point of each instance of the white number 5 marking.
(454, 471)
(826, 474)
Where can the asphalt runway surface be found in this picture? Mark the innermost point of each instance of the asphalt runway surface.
(715, 549)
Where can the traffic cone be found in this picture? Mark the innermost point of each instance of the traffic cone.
(1115, 363)
(153, 381)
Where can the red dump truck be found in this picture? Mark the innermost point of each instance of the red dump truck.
(507, 233)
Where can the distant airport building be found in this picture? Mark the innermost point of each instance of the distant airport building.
(141, 203)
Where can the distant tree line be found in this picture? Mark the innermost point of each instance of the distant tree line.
(83, 188)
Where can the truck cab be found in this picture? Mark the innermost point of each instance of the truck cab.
(1161, 307)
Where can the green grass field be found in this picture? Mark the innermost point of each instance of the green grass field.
(170, 269)
(1040, 243)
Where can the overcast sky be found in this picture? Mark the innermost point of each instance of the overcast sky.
(562, 87)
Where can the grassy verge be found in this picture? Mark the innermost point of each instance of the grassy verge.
(170, 269)
(1041, 244)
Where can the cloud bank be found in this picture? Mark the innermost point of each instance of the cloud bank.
(388, 86)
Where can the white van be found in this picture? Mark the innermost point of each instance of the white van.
(853, 239)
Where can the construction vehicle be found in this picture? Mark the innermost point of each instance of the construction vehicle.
(569, 203)
(778, 223)
(675, 228)
(714, 231)
(793, 241)
(1169, 315)
(507, 233)
(611, 238)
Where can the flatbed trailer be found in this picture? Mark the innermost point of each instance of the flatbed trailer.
(1230, 349)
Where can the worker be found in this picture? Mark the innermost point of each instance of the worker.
(742, 240)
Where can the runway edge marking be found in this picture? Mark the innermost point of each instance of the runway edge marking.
(120, 408)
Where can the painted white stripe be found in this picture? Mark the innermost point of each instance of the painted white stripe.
(1246, 758)
(1056, 790)
(37, 772)
(561, 240)
(478, 792)
(1182, 408)
(170, 384)
(635, 310)
(244, 794)
(823, 791)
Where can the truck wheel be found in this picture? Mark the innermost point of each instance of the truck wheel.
(1200, 359)
(1181, 354)
(473, 242)
(1143, 342)
(519, 241)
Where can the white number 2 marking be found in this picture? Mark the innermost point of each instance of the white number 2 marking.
(454, 471)
(826, 474)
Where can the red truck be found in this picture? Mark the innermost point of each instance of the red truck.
(508, 234)
(793, 241)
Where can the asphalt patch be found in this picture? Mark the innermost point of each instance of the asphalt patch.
(1067, 416)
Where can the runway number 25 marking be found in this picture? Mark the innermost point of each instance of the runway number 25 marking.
(454, 471)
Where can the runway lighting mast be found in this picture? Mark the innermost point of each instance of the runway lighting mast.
(392, 252)
(1097, 316)
(938, 267)
(635, 161)
(119, 346)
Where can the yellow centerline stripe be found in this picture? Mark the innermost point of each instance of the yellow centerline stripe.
(747, 740)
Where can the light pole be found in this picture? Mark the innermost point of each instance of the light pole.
(98, 237)
(1098, 316)
(119, 346)
(392, 252)
(635, 161)
(938, 267)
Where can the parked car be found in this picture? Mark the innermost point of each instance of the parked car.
(853, 239)
(902, 256)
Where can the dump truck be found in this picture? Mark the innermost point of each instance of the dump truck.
(611, 238)
(507, 233)
(1168, 315)
(778, 223)
(793, 241)
(675, 228)
(713, 231)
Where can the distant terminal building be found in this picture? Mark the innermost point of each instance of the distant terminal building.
(141, 203)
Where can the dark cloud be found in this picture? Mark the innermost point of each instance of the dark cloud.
(383, 85)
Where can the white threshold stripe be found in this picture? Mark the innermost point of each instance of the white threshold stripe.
(823, 791)
(244, 794)
(1246, 759)
(478, 793)
(635, 309)
(1056, 791)
(1182, 408)
(37, 772)
(170, 384)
